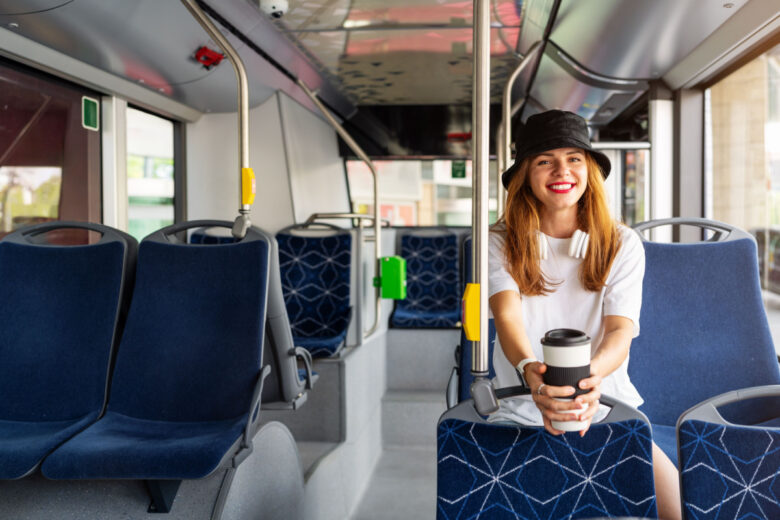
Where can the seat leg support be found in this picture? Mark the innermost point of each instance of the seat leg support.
(162, 493)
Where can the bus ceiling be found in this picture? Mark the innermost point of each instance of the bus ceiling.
(389, 67)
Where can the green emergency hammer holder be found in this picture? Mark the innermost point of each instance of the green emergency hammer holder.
(392, 282)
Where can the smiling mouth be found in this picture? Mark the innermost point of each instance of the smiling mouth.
(561, 187)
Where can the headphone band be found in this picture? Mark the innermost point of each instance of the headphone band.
(577, 248)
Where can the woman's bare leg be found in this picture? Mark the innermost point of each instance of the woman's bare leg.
(667, 486)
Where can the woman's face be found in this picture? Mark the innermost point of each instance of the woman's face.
(559, 177)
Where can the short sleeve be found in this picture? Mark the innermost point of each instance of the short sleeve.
(623, 293)
(499, 278)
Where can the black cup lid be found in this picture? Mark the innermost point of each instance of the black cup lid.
(565, 338)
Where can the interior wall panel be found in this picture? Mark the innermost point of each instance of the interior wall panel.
(317, 179)
(212, 168)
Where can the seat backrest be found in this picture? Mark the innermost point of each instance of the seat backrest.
(315, 273)
(283, 385)
(192, 347)
(729, 470)
(507, 470)
(432, 275)
(703, 328)
(464, 351)
(61, 312)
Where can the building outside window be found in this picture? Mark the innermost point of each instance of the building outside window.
(742, 164)
(419, 192)
(150, 173)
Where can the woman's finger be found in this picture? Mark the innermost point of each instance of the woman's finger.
(585, 430)
(589, 383)
(561, 415)
(590, 397)
(549, 427)
(590, 412)
(557, 391)
(561, 406)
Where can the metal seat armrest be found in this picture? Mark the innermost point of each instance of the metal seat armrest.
(707, 411)
(305, 356)
(253, 420)
(452, 388)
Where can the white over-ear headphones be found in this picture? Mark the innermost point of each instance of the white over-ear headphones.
(579, 244)
(577, 248)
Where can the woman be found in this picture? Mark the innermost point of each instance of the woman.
(540, 281)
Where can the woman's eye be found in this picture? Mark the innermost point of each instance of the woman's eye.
(543, 162)
(575, 159)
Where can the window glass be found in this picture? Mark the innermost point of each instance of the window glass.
(150, 182)
(742, 160)
(419, 192)
(29, 195)
(49, 162)
(636, 168)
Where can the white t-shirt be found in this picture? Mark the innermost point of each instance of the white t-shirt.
(569, 306)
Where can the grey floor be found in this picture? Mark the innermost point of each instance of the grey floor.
(403, 486)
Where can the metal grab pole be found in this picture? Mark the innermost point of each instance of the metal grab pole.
(377, 221)
(244, 201)
(337, 215)
(505, 127)
(359, 332)
(480, 151)
(501, 166)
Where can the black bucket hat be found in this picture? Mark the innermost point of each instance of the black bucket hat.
(548, 131)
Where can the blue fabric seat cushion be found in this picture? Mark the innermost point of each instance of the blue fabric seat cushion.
(192, 345)
(432, 283)
(729, 471)
(25, 443)
(508, 471)
(665, 437)
(772, 423)
(418, 319)
(118, 446)
(58, 310)
(323, 346)
(700, 318)
(315, 276)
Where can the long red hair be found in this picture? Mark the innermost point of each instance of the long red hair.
(521, 221)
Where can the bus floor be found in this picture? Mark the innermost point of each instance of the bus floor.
(403, 484)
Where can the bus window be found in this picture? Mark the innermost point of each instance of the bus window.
(150, 179)
(743, 156)
(636, 170)
(419, 192)
(49, 161)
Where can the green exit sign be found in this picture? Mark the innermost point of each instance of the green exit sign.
(458, 169)
(90, 113)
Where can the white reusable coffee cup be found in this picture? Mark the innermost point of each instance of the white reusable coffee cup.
(567, 356)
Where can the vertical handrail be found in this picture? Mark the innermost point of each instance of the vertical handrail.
(508, 110)
(501, 165)
(377, 222)
(242, 221)
(359, 284)
(480, 151)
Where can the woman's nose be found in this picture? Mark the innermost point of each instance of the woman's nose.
(559, 168)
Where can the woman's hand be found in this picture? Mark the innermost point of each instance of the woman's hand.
(591, 399)
(553, 409)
